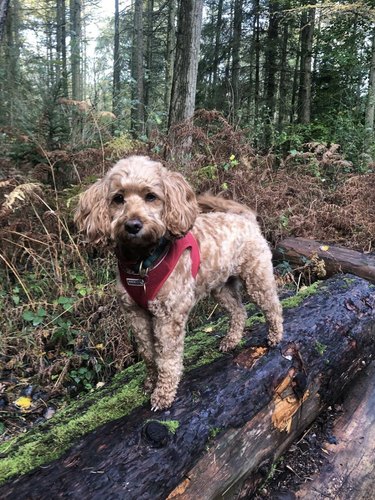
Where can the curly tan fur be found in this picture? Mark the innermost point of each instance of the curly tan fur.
(140, 191)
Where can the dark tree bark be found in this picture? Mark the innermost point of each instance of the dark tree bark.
(170, 52)
(184, 84)
(4, 4)
(233, 415)
(149, 60)
(304, 95)
(62, 72)
(215, 68)
(257, 62)
(284, 84)
(271, 66)
(75, 48)
(370, 106)
(236, 47)
(138, 108)
(116, 62)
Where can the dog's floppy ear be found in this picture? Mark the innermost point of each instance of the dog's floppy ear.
(181, 206)
(92, 215)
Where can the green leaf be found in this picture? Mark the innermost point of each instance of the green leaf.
(28, 315)
(16, 299)
(41, 312)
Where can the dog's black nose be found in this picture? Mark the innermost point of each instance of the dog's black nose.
(133, 226)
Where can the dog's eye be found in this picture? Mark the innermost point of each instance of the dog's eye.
(118, 199)
(150, 197)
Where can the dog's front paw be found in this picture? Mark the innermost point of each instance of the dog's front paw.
(274, 337)
(161, 399)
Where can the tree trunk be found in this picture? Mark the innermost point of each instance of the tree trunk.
(298, 251)
(231, 419)
(149, 58)
(304, 97)
(270, 72)
(215, 69)
(284, 84)
(116, 63)
(4, 4)
(12, 66)
(184, 84)
(138, 110)
(170, 52)
(257, 63)
(236, 46)
(370, 107)
(61, 73)
(75, 48)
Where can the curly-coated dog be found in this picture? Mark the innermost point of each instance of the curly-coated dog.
(174, 248)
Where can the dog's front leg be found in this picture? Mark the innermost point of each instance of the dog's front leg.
(142, 329)
(169, 334)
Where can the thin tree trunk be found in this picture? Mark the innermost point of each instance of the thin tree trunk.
(257, 62)
(370, 107)
(149, 53)
(307, 33)
(12, 55)
(138, 111)
(61, 72)
(283, 84)
(116, 62)
(295, 88)
(215, 70)
(236, 46)
(4, 4)
(75, 48)
(170, 52)
(270, 71)
(186, 62)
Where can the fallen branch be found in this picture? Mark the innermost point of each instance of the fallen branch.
(336, 259)
(232, 418)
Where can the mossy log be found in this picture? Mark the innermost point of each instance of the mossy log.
(349, 472)
(336, 259)
(232, 417)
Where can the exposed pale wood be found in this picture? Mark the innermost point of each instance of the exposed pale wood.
(337, 259)
(350, 472)
(235, 415)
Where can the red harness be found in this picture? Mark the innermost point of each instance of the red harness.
(142, 286)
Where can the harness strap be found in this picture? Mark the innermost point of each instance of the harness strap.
(144, 285)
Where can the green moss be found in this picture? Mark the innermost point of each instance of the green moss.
(117, 399)
(172, 425)
(214, 431)
(47, 442)
(303, 294)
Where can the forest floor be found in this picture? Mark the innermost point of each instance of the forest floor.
(61, 335)
(302, 460)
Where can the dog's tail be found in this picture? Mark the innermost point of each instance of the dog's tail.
(209, 203)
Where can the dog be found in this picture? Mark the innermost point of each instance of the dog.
(148, 213)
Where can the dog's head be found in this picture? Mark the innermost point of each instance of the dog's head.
(135, 204)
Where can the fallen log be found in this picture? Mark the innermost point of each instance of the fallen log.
(232, 418)
(349, 472)
(336, 259)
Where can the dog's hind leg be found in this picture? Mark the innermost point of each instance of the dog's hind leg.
(261, 287)
(230, 298)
